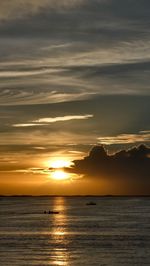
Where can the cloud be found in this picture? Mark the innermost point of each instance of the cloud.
(143, 136)
(16, 74)
(129, 167)
(48, 120)
(22, 96)
(101, 47)
(18, 8)
(34, 170)
(63, 118)
(27, 125)
(91, 73)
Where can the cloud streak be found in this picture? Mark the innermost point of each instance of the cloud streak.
(49, 120)
(143, 136)
(63, 118)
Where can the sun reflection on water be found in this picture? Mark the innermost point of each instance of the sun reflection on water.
(58, 237)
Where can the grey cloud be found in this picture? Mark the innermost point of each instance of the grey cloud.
(100, 47)
(73, 82)
(131, 168)
(99, 19)
(142, 136)
(113, 115)
(16, 8)
(111, 69)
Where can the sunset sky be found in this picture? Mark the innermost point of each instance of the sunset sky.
(74, 74)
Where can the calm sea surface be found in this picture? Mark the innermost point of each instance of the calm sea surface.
(115, 231)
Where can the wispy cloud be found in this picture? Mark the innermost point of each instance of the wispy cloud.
(34, 170)
(143, 136)
(17, 8)
(48, 120)
(63, 118)
(27, 125)
(86, 52)
(16, 74)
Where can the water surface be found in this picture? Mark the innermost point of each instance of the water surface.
(114, 232)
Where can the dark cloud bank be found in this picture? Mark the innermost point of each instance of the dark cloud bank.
(129, 168)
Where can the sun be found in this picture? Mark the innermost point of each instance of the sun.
(58, 172)
(60, 175)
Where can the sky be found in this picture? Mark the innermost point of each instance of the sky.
(74, 75)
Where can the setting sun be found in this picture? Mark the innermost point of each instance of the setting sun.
(60, 175)
(57, 169)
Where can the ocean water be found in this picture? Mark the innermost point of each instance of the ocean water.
(114, 232)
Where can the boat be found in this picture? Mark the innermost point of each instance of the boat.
(91, 203)
(51, 212)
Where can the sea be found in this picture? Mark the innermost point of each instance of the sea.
(113, 232)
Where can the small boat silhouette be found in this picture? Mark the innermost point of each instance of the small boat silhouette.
(91, 203)
(51, 212)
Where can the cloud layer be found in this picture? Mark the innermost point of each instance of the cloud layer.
(17, 8)
(53, 51)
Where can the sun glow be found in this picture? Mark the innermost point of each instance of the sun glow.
(60, 175)
(57, 169)
(60, 163)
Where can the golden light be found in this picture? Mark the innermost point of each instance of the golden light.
(60, 163)
(60, 175)
(57, 171)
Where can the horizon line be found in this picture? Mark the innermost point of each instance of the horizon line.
(76, 195)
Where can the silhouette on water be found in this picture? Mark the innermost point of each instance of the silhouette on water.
(51, 212)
